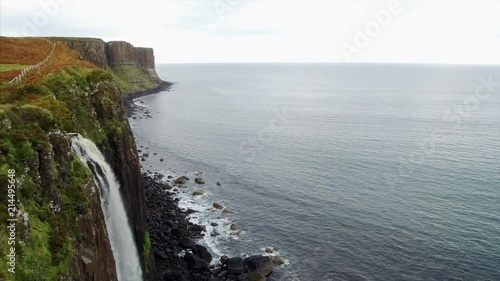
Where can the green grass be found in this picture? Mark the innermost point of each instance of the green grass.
(76, 99)
(147, 244)
(131, 78)
(8, 67)
(61, 101)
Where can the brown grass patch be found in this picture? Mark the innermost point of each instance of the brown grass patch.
(25, 51)
(8, 75)
(28, 51)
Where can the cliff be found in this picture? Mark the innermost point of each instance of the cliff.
(133, 67)
(60, 232)
(89, 49)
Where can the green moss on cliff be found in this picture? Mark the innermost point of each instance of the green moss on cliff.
(52, 183)
(147, 244)
(131, 78)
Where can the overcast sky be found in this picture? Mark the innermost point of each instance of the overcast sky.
(425, 31)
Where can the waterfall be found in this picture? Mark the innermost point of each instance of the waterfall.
(120, 234)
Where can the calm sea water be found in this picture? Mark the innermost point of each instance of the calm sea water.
(352, 172)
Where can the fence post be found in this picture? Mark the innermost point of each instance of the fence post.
(25, 71)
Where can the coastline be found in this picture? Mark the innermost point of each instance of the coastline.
(174, 238)
(128, 99)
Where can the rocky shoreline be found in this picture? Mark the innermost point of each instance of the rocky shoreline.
(177, 256)
(128, 99)
(173, 240)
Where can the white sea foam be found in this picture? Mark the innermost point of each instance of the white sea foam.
(205, 214)
(140, 103)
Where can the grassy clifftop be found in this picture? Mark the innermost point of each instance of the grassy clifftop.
(60, 232)
(132, 68)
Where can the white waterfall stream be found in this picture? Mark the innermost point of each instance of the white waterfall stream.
(122, 242)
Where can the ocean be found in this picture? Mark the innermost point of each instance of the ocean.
(348, 171)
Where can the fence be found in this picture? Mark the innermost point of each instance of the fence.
(19, 78)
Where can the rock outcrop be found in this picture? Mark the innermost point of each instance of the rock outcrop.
(134, 66)
(121, 52)
(94, 257)
(119, 150)
(178, 256)
(104, 54)
(199, 180)
(145, 57)
(90, 49)
(62, 229)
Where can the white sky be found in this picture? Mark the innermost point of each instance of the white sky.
(425, 31)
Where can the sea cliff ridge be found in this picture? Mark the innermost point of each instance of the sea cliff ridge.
(60, 231)
(52, 89)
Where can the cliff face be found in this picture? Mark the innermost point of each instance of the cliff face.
(62, 233)
(121, 52)
(63, 230)
(111, 53)
(134, 67)
(120, 150)
(146, 57)
(93, 257)
(93, 50)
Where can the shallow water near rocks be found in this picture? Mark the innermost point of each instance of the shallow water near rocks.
(352, 172)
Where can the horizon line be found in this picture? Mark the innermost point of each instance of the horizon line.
(340, 63)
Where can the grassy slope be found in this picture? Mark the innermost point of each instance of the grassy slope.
(13, 66)
(55, 98)
(26, 51)
(15, 53)
(131, 78)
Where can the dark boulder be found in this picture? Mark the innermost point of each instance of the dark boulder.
(198, 193)
(251, 276)
(218, 206)
(181, 180)
(197, 228)
(260, 264)
(195, 262)
(277, 260)
(160, 254)
(175, 275)
(177, 232)
(202, 252)
(223, 259)
(235, 265)
(186, 242)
